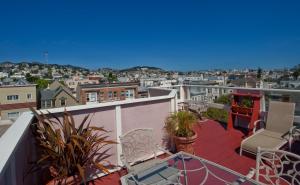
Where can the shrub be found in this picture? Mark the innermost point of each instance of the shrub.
(217, 114)
(224, 99)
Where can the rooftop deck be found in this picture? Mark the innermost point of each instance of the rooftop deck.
(214, 143)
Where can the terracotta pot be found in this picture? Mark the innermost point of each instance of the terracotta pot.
(185, 144)
(73, 180)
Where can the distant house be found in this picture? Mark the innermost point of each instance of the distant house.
(16, 97)
(97, 93)
(246, 82)
(57, 95)
(77, 80)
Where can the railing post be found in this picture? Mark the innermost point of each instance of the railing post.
(182, 93)
(174, 107)
(263, 103)
(188, 93)
(258, 159)
(118, 117)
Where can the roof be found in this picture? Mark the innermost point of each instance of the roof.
(8, 82)
(125, 84)
(50, 94)
(200, 82)
(47, 94)
(4, 125)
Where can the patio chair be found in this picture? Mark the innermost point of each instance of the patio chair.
(277, 167)
(139, 155)
(277, 130)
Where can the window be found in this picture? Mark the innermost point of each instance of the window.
(63, 102)
(13, 115)
(91, 97)
(29, 96)
(122, 93)
(115, 94)
(47, 103)
(110, 95)
(129, 94)
(13, 97)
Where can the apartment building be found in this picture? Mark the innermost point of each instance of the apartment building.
(57, 95)
(16, 98)
(96, 93)
(73, 82)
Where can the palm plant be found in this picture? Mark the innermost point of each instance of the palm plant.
(180, 124)
(67, 150)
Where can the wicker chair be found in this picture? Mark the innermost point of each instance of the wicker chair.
(139, 155)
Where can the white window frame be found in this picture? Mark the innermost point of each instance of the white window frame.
(17, 114)
(29, 96)
(129, 94)
(64, 101)
(92, 96)
(12, 97)
(46, 103)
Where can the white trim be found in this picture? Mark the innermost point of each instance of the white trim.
(172, 105)
(119, 133)
(11, 138)
(107, 104)
(242, 88)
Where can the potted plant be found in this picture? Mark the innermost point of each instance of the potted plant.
(179, 126)
(68, 151)
(246, 105)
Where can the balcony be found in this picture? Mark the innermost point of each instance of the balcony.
(18, 149)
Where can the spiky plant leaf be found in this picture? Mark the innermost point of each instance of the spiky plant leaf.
(180, 124)
(67, 149)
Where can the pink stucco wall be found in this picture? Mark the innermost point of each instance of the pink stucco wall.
(101, 117)
(146, 115)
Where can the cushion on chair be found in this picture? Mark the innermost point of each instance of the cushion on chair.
(264, 139)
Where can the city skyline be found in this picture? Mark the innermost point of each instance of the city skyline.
(170, 35)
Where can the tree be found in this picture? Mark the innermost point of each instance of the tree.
(296, 74)
(111, 78)
(259, 73)
(42, 84)
(28, 75)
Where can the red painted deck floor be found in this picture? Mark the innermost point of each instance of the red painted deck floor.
(214, 143)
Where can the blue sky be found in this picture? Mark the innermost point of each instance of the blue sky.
(180, 35)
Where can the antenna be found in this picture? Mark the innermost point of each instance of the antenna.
(46, 57)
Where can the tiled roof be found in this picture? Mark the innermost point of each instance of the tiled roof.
(47, 94)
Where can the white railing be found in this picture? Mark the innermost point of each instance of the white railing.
(277, 167)
(209, 92)
(17, 147)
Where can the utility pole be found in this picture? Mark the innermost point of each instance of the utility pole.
(46, 57)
